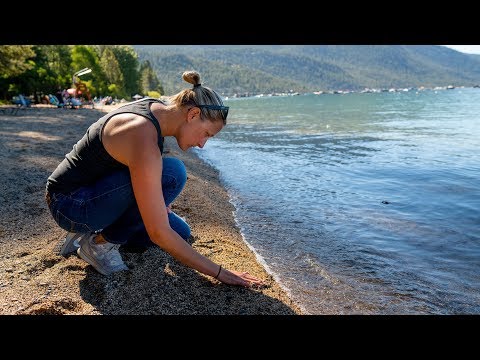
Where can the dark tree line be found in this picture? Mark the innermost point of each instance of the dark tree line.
(37, 70)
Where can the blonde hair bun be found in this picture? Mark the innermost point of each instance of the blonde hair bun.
(191, 77)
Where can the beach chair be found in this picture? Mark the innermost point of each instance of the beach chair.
(54, 101)
(75, 103)
(22, 101)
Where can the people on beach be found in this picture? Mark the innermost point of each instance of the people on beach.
(115, 188)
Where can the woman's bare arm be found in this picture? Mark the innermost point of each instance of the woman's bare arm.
(134, 143)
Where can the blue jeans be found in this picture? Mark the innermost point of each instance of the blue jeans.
(108, 207)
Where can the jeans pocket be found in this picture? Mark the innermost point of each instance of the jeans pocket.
(67, 224)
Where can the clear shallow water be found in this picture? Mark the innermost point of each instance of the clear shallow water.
(360, 203)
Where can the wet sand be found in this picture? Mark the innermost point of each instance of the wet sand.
(35, 280)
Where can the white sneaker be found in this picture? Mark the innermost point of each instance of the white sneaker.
(105, 257)
(70, 243)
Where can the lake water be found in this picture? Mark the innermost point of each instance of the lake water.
(361, 203)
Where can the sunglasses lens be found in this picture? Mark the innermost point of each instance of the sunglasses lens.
(223, 109)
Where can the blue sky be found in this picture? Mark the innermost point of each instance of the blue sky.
(469, 49)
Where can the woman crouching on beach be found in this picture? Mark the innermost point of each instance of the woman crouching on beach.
(115, 188)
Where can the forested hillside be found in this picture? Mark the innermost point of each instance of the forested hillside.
(281, 68)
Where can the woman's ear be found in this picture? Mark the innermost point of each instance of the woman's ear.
(192, 113)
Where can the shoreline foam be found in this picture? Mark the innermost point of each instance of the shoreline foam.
(258, 256)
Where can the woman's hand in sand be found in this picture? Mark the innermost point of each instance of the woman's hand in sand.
(239, 278)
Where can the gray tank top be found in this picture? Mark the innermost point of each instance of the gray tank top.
(89, 161)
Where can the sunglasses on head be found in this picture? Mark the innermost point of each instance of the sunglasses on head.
(223, 109)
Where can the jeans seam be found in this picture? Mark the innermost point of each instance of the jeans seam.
(58, 213)
(108, 192)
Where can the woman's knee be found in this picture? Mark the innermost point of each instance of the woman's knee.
(175, 168)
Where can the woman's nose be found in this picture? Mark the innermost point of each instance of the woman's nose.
(202, 143)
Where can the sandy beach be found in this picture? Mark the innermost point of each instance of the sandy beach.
(35, 280)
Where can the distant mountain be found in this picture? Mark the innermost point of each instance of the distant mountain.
(258, 69)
